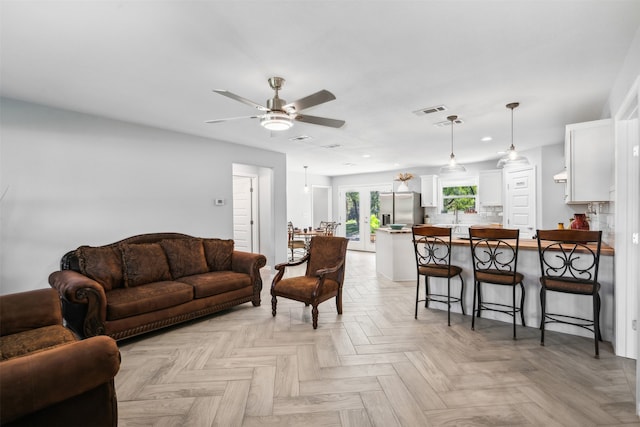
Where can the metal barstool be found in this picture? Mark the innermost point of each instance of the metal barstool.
(494, 253)
(433, 259)
(569, 261)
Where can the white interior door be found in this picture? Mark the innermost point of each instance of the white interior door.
(520, 200)
(244, 205)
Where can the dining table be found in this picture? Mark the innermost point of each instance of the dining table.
(307, 235)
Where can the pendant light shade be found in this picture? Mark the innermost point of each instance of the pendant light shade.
(453, 166)
(306, 187)
(512, 157)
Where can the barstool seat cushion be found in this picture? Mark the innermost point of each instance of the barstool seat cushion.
(498, 277)
(573, 286)
(439, 270)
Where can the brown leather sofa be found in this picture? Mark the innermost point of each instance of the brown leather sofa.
(47, 376)
(151, 281)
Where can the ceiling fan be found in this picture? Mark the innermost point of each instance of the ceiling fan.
(278, 115)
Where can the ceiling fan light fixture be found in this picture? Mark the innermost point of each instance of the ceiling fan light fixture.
(276, 121)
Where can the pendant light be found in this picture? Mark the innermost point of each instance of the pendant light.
(453, 166)
(512, 157)
(306, 187)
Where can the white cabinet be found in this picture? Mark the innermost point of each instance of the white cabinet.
(429, 189)
(490, 188)
(588, 151)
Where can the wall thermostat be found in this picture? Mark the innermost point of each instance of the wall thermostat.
(219, 202)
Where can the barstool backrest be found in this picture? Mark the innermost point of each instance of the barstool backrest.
(432, 245)
(494, 250)
(572, 255)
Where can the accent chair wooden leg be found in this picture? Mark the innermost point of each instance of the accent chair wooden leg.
(314, 315)
(339, 301)
(274, 302)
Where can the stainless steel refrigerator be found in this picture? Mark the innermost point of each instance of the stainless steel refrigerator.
(401, 208)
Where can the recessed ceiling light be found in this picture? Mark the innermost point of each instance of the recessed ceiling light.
(486, 139)
(366, 156)
(349, 164)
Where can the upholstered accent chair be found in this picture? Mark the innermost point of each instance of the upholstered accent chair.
(48, 377)
(323, 277)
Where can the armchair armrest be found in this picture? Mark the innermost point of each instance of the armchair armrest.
(29, 310)
(33, 382)
(325, 271)
(79, 290)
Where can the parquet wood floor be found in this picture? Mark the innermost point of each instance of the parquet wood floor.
(374, 365)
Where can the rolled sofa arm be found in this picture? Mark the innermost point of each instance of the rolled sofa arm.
(76, 289)
(247, 262)
(38, 380)
(250, 263)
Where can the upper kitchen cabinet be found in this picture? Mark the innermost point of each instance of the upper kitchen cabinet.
(588, 152)
(490, 188)
(429, 188)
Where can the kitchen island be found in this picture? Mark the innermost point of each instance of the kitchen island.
(395, 260)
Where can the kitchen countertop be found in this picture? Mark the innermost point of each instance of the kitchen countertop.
(525, 244)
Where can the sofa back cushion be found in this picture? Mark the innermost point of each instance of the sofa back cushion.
(144, 263)
(218, 253)
(185, 256)
(102, 264)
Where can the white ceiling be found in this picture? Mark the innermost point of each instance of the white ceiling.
(155, 63)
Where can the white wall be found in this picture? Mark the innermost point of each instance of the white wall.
(299, 209)
(74, 179)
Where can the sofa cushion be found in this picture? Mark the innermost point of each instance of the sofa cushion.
(218, 282)
(218, 253)
(127, 302)
(144, 263)
(185, 256)
(34, 340)
(103, 264)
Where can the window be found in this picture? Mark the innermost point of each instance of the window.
(459, 194)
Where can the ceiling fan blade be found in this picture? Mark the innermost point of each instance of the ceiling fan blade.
(323, 121)
(317, 98)
(232, 118)
(241, 99)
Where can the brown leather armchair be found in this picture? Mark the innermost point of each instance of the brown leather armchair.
(47, 376)
(322, 280)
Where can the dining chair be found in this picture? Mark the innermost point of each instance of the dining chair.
(494, 254)
(569, 261)
(295, 245)
(432, 247)
(322, 280)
